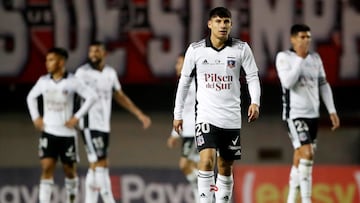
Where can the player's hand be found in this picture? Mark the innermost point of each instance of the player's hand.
(39, 124)
(253, 112)
(335, 121)
(72, 122)
(145, 120)
(177, 125)
(172, 141)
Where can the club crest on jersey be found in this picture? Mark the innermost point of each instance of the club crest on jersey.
(231, 63)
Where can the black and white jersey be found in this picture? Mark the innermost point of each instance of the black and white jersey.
(104, 83)
(217, 74)
(188, 128)
(58, 102)
(303, 80)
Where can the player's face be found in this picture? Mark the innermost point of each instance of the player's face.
(179, 64)
(96, 54)
(220, 27)
(54, 63)
(301, 41)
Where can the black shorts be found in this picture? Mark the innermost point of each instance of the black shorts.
(96, 144)
(302, 131)
(225, 141)
(189, 150)
(55, 146)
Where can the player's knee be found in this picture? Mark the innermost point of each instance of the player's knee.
(206, 164)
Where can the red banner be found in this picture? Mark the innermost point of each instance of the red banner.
(269, 184)
(145, 37)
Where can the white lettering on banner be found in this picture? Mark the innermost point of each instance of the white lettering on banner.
(135, 188)
(164, 31)
(105, 33)
(357, 180)
(248, 184)
(350, 63)
(15, 29)
(197, 20)
(167, 26)
(18, 194)
(269, 26)
(320, 16)
(63, 30)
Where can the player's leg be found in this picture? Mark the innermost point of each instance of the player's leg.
(188, 163)
(294, 181)
(69, 157)
(98, 178)
(47, 179)
(71, 182)
(224, 181)
(48, 158)
(206, 145)
(102, 178)
(303, 133)
(229, 150)
(91, 188)
(206, 176)
(305, 172)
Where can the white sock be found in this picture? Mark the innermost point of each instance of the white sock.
(225, 187)
(91, 189)
(72, 189)
(294, 184)
(305, 175)
(192, 178)
(103, 180)
(206, 186)
(45, 190)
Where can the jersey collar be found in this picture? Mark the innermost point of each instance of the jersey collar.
(209, 44)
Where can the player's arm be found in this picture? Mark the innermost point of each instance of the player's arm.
(327, 97)
(122, 99)
(253, 81)
(32, 104)
(173, 139)
(183, 89)
(89, 96)
(288, 73)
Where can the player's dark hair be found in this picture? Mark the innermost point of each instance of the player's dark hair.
(296, 28)
(59, 51)
(98, 43)
(221, 12)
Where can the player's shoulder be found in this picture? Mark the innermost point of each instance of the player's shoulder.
(84, 67)
(238, 44)
(285, 53)
(198, 44)
(109, 69)
(45, 77)
(314, 54)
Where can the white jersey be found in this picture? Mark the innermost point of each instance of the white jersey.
(302, 80)
(58, 102)
(217, 74)
(188, 128)
(104, 83)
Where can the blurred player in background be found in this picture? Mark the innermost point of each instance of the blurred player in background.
(58, 138)
(189, 153)
(96, 124)
(303, 81)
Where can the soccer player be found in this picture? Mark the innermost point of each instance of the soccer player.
(303, 80)
(189, 153)
(95, 125)
(215, 63)
(58, 89)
